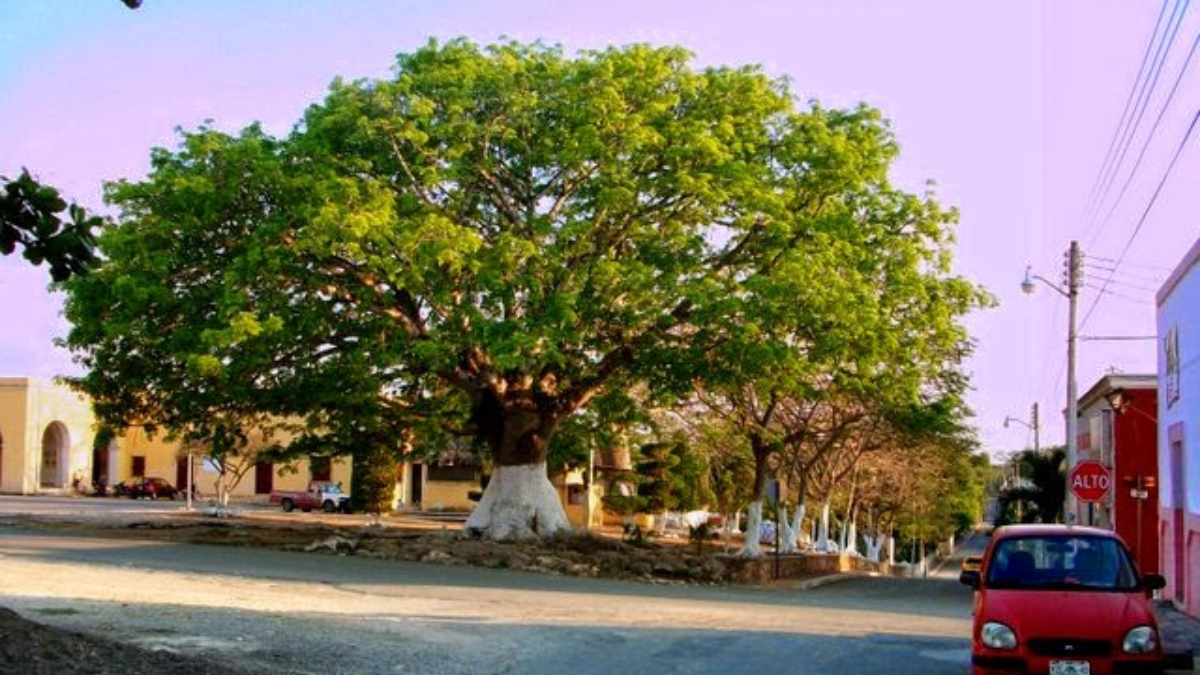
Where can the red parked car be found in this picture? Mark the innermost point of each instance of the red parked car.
(153, 488)
(1062, 600)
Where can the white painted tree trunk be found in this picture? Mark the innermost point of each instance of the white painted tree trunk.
(222, 491)
(891, 547)
(823, 544)
(750, 546)
(785, 528)
(851, 545)
(875, 547)
(519, 503)
(793, 533)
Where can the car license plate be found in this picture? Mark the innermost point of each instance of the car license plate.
(1070, 668)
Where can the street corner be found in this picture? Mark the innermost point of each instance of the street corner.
(1180, 634)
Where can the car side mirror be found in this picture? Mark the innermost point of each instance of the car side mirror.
(969, 578)
(1153, 582)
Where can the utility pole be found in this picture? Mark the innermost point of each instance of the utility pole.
(1072, 278)
(1033, 416)
(1070, 290)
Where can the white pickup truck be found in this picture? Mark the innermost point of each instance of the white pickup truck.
(324, 495)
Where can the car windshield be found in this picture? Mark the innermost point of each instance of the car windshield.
(1058, 562)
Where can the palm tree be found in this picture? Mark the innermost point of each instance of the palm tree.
(1041, 490)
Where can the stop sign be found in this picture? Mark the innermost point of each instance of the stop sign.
(1089, 481)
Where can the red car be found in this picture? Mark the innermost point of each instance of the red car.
(1062, 600)
(154, 488)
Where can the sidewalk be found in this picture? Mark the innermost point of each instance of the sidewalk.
(1180, 634)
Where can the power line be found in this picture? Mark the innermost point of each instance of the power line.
(1156, 268)
(1122, 278)
(1109, 269)
(1121, 282)
(1164, 47)
(1146, 212)
(1146, 145)
(1125, 112)
(1101, 290)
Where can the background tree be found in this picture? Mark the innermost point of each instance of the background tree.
(1041, 490)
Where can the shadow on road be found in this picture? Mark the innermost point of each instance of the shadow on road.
(268, 643)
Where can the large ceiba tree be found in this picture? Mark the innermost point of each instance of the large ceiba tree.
(489, 241)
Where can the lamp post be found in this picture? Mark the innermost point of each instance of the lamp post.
(1033, 425)
(1071, 293)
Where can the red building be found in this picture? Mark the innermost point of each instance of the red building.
(1118, 427)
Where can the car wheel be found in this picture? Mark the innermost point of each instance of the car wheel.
(153, 496)
(328, 506)
(287, 505)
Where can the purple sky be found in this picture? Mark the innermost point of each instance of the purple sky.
(1008, 105)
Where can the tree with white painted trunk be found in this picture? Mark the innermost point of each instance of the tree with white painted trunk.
(495, 238)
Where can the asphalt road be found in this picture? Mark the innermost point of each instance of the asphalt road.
(306, 613)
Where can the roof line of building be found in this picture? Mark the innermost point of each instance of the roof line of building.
(1117, 381)
(1189, 261)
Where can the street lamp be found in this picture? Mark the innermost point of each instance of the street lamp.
(1033, 425)
(1071, 293)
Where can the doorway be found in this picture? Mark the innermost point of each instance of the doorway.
(55, 442)
(418, 482)
(1179, 511)
(264, 478)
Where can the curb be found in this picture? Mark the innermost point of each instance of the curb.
(817, 582)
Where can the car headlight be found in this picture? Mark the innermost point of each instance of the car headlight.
(1140, 640)
(999, 636)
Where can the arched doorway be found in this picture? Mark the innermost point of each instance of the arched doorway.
(55, 443)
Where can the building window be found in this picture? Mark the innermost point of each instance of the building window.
(139, 466)
(577, 494)
(455, 472)
(320, 467)
(1171, 347)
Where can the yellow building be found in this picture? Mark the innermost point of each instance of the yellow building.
(136, 453)
(48, 445)
(46, 437)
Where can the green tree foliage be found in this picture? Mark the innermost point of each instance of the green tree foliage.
(667, 476)
(1041, 490)
(374, 475)
(672, 477)
(731, 470)
(31, 214)
(496, 238)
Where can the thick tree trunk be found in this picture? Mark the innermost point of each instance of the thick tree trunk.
(823, 544)
(750, 545)
(875, 547)
(794, 533)
(519, 501)
(762, 453)
(851, 545)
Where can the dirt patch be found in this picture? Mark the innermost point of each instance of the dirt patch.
(30, 648)
(583, 555)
